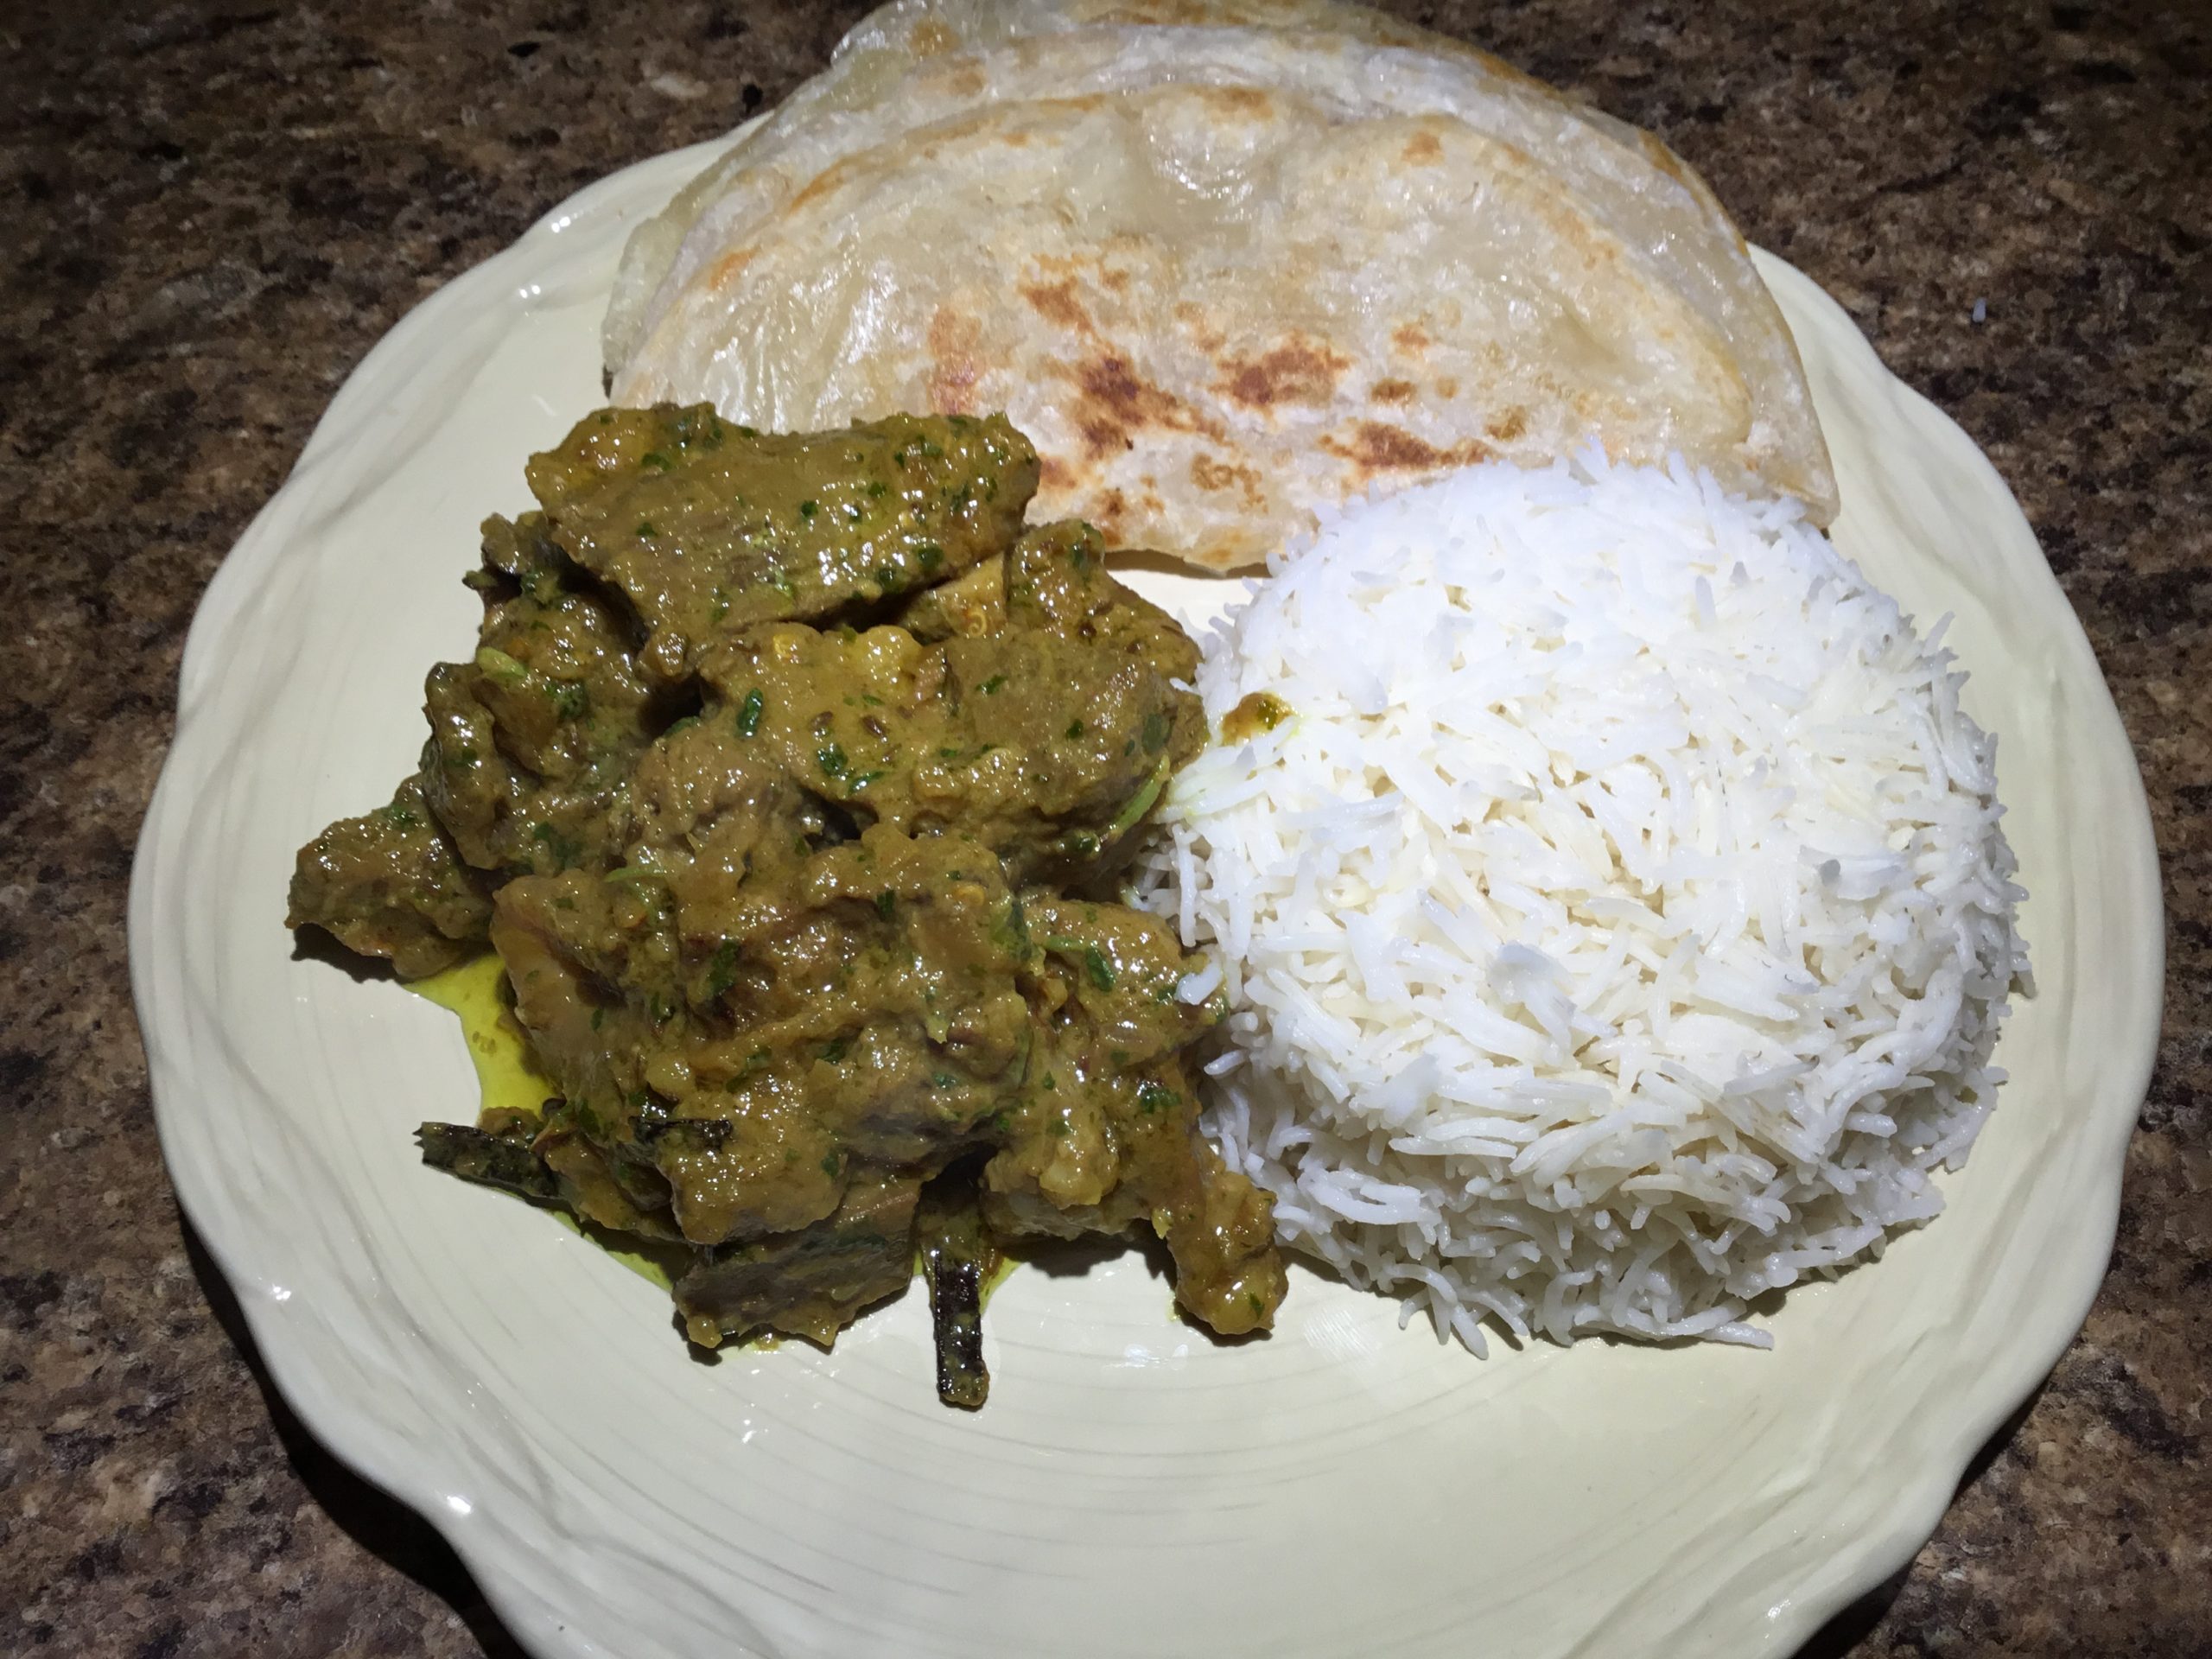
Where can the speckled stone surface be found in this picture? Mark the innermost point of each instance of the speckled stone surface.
(213, 210)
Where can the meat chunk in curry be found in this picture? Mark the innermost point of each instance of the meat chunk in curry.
(789, 781)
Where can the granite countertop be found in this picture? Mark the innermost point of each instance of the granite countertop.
(214, 209)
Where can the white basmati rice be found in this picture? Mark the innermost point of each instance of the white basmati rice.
(1619, 926)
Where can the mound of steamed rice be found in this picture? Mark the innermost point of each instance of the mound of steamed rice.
(1619, 925)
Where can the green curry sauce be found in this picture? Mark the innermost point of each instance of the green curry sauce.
(508, 1080)
(764, 847)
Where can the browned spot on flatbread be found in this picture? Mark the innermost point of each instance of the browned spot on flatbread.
(1115, 402)
(1216, 476)
(728, 268)
(1504, 429)
(819, 186)
(1391, 392)
(956, 342)
(1237, 100)
(1206, 338)
(1057, 303)
(1448, 387)
(931, 38)
(1410, 338)
(1422, 150)
(1188, 13)
(1297, 371)
(1663, 159)
(1054, 474)
(1110, 512)
(1377, 447)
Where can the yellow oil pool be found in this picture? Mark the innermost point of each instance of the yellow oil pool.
(507, 1079)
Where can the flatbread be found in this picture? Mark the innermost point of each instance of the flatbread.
(1224, 276)
(888, 44)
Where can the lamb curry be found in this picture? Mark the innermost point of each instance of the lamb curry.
(790, 780)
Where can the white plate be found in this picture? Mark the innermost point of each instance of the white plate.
(1345, 1487)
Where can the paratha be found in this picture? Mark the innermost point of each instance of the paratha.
(1224, 274)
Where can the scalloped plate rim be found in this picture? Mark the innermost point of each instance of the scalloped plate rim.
(1917, 1501)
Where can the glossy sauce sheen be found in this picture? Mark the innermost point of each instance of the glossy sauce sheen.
(786, 784)
(510, 1084)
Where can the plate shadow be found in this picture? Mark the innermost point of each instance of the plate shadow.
(367, 1514)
